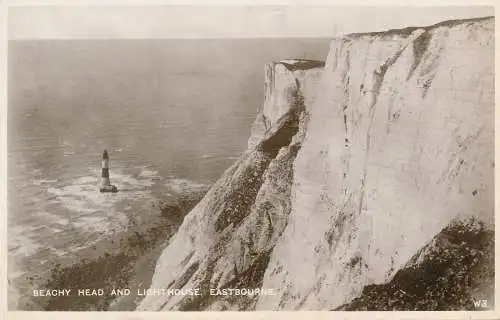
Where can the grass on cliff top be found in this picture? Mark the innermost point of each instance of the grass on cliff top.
(405, 32)
(302, 64)
(456, 266)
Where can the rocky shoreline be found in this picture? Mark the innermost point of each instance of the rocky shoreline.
(125, 260)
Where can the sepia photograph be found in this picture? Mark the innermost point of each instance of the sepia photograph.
(250, 158)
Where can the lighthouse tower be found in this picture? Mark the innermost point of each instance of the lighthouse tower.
(105, 185)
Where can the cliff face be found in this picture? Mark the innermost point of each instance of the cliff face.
(351, 169)
(227, 239)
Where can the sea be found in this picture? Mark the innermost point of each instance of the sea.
(171, 113)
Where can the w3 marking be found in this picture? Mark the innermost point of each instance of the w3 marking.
(480, 303)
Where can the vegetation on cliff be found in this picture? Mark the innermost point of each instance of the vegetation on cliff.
(455, 271)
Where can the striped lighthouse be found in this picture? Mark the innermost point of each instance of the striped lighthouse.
(105, 185)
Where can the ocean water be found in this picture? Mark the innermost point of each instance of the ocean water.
(170, 112)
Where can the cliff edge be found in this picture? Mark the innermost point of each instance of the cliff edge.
(357, 168)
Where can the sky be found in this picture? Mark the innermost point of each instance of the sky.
(139, 22)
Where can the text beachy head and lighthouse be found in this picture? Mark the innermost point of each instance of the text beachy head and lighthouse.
(105, 185)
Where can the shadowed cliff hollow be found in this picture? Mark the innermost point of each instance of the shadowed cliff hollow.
(364, 175)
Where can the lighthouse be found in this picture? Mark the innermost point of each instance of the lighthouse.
(105, 185)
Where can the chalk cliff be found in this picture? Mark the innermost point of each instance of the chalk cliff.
(356, 170)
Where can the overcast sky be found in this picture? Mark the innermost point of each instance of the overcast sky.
(51, 22)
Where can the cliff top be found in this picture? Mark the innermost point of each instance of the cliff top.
(405, 32)
(301, 64)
